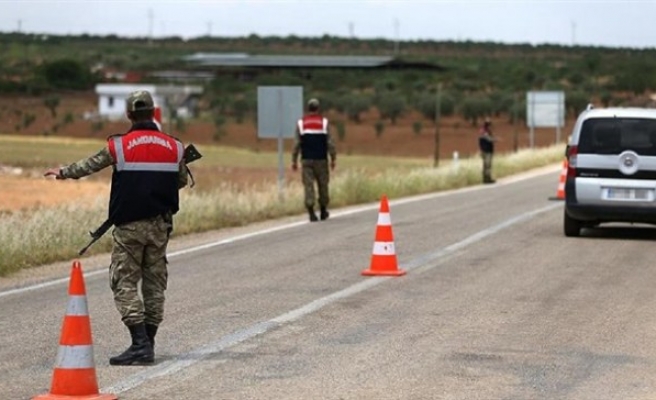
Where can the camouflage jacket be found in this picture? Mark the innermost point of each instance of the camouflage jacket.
(102, 160)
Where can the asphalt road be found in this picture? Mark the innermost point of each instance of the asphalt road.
(496, 304)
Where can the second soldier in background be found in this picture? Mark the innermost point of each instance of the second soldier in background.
(315, 145)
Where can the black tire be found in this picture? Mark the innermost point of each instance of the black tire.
(572, 227)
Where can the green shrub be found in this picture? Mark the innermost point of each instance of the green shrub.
(417, 126)
(341, 130)
(28, 119)
(380, 127)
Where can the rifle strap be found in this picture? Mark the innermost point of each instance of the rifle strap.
(191, 176)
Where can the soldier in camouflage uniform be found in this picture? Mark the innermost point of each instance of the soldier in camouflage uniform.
(314, 144)
(486, 146)
(148, 170)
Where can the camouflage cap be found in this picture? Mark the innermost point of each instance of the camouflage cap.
(139, 100)
(313, 102)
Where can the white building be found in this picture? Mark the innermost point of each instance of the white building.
(182, 99)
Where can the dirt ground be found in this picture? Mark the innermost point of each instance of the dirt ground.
(27, 189)
(27, 192)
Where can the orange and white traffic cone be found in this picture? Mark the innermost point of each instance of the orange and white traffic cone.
(560, 191)
(383, 257)
(74, 375)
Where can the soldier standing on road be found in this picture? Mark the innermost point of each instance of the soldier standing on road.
(486, 146)
(148, 170)
(314, 144)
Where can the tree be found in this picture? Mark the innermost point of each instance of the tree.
(240, 108)
(51, 102)
(606, 98)
(341, 130)
(391, 105)
(426, 104)
(476, 107)
(417, 126)
(380, 127)
(576, 102)
(67, 74)
(356, 105)
(219, 123)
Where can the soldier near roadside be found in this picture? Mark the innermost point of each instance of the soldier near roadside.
(486, 147)
(148, 171)
(314, 145)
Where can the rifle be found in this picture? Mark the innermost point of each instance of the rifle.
(97, 234)
(191, 154)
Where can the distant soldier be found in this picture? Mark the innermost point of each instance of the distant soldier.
(148, 170)
(486, 146)
(314, 144)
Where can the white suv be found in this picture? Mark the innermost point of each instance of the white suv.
(611, 175)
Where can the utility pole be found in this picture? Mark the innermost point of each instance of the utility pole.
(438, 97)
(515, 132)
(150, 25)
(396, 36)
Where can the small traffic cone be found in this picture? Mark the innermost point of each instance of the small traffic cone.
(383, 257)
(74, 375)
(560, 191)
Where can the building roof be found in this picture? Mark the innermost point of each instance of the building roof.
(125, 88)
(243, 60)
(174, 75)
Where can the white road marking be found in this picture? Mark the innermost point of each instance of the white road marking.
(233, 239)
(187, 360)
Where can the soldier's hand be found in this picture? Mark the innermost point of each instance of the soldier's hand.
(332, 165)
(294, 166)
(56, 172)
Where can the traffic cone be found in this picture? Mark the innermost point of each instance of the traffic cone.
(560, 191)
(383, 257)
(74, 375)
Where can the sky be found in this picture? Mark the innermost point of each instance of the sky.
(606, 23)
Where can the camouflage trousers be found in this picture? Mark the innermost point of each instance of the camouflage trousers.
(139, 256)
(316, 171)
(487, 166)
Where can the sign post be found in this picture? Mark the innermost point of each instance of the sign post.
(278, 110)
(545, 109)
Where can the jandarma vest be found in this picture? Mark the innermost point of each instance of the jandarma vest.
(314, 137)
(145, 177)
(485, 143)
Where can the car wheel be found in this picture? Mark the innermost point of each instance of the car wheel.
(572, 226)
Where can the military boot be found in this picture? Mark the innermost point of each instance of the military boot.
(140, 351)
(151, 331)
(313, 216)
(324, 214)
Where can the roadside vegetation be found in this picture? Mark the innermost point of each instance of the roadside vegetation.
(29, 238)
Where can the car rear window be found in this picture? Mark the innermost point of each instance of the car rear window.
(615, 135)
